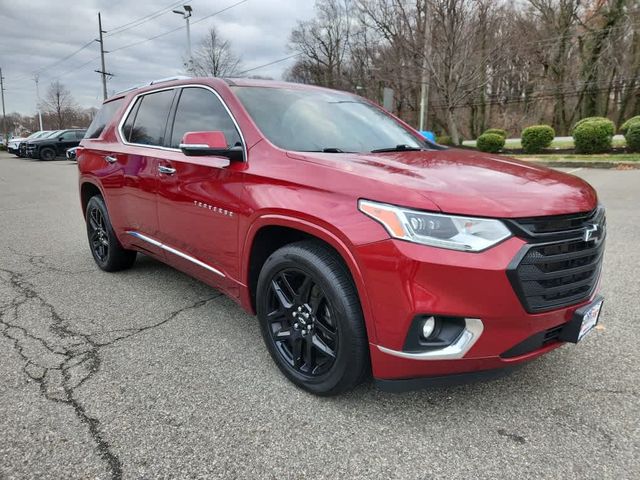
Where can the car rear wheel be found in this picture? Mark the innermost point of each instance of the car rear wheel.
(311, 319)
(47, 154)
(107, 251)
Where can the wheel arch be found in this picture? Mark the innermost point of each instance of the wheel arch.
(273, 231)
(88, 189)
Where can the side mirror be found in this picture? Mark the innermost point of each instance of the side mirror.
(59, 139)
(210, 143)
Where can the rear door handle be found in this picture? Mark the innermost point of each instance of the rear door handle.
(110, 159)
(166, 170)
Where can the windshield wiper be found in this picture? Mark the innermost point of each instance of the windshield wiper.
(398, 148)
(327, 150)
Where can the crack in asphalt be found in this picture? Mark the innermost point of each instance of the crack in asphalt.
(62, 367)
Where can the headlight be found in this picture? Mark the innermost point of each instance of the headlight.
(437, 230)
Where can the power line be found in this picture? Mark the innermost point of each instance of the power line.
(270, 63)
(178, 28)
(63, 59)
(134, 23)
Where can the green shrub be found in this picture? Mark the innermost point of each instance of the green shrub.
(490, 142)
(497, 131)
(633, 137)
(593, 135)
(610, 126)
(444, 140)
(625, 126)
(537, 137)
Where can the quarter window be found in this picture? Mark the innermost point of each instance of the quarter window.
(199, 110)
(128, 124)
(148, 126)
(102, 118)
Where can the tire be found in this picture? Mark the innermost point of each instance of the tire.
(47, 154)
(313, 280)
(107, 251)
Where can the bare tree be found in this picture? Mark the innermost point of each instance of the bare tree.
(489, 63)
(59, 105)
(323, 43)
(214, 58)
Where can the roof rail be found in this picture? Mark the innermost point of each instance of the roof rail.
(153, 82)
(169, 79)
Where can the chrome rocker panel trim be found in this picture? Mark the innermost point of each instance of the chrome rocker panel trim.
(180, 254)
(472, 331)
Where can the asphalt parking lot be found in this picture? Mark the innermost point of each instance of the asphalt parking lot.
(151, 374)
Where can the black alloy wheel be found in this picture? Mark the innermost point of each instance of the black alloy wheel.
(311, 318)
(107, 251)
(302, 322)
(98, 236)
(47, 154)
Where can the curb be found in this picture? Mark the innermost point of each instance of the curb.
(585, 164)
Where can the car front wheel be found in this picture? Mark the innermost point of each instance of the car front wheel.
(311, 319)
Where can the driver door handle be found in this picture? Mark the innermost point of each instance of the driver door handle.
(166, 170)
(110, 159)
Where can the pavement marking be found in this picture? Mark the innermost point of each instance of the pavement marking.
(575, 170)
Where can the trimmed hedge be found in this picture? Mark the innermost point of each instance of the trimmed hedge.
(633, 137)
(490, 142)
(497, 131)
(625, 126)
(611, 127)
(444, 140)
(593, 135)
(537, 137)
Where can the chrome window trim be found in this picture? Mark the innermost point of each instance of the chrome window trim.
(133, 101)
(470, 335)
(179, 253)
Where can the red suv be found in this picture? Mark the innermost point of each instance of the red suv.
(361, 246)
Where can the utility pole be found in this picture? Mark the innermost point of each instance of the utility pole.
(37, 80)
(426, 77)
(102, 72)
(186, 14)
(4, 114)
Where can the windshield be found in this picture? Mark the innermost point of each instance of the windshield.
(41, 134)
(323, 120)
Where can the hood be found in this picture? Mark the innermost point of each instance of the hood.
(42, 140)
(17, 139)
(463, 182)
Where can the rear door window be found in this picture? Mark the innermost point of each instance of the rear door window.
(148, 126)
(200, 110)
(102, 118)
(68, 136)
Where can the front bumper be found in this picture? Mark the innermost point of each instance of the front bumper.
(424, 280)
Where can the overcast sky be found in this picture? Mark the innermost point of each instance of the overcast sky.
(34, 34)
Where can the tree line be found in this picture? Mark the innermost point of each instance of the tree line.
(482, 63)
(59, 111)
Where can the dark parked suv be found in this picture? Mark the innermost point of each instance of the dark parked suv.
(361, 246)
(52, 146)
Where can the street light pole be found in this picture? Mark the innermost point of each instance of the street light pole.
(37, 80)
(4, 115)
(186, 14)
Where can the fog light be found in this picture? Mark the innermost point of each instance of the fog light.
(428, 327)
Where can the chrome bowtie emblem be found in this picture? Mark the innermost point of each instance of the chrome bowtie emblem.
(591, 232)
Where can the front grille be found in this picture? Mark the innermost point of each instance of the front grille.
(562, 265)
